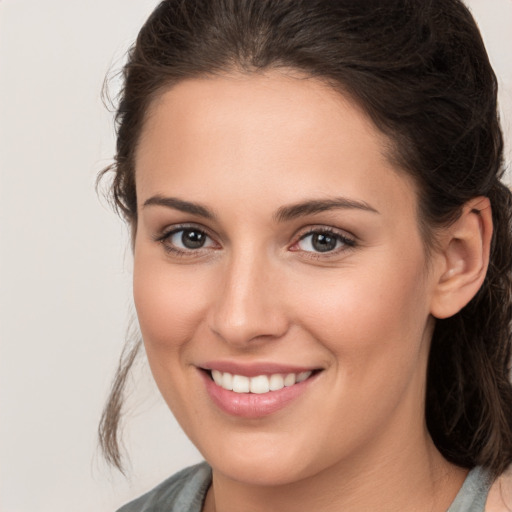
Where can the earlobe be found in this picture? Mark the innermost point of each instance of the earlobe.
(464, 258)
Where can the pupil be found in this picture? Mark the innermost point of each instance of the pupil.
(192, 239)
(323, 242)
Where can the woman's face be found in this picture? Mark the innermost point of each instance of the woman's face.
(276, 242)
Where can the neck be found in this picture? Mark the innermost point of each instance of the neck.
(412, 478)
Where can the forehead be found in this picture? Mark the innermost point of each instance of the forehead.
(262, 134)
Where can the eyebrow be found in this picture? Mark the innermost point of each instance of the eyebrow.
(283, 214)
(179, 204)
(313, 206)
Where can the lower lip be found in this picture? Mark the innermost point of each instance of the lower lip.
(253, 405)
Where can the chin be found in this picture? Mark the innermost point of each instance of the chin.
(264, 473)
(276, 463)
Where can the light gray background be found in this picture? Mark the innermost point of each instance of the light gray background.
(64, 263)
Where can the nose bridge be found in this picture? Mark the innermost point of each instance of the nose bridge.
(246, 307)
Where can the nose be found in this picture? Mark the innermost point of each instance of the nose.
(248, 305)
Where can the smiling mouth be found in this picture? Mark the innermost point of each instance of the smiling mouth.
(259, 384)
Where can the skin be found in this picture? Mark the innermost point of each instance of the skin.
(244, 147)
(500, 495)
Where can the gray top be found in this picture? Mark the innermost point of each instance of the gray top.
(473, 493)
(186, 490)
(183, 492)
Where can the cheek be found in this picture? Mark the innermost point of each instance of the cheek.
(170, 308)
(378, 312)
(170, 302)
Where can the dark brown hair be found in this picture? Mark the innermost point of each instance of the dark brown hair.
(419, 69)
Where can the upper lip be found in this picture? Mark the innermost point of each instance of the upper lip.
(255, 369)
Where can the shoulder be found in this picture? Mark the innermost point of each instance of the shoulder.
(183, 492)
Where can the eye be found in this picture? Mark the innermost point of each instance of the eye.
(189, 239)
(323, 241)
(186, 239)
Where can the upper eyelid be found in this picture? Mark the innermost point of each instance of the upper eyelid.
(300, 232)
(175, 228)
(303, 232)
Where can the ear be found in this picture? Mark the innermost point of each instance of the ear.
(463, 258)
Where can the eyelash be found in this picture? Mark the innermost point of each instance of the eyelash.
(347, 243)
(165, 236)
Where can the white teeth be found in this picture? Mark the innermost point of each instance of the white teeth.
(289, 380)
(227, 381)
(217, 377)
(303, 376)
(240, 384)
(276, 382)
(259, 384)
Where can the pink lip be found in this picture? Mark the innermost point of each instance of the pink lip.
(252, 405)
(254, 369)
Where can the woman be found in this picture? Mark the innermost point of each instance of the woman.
(322, 253)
